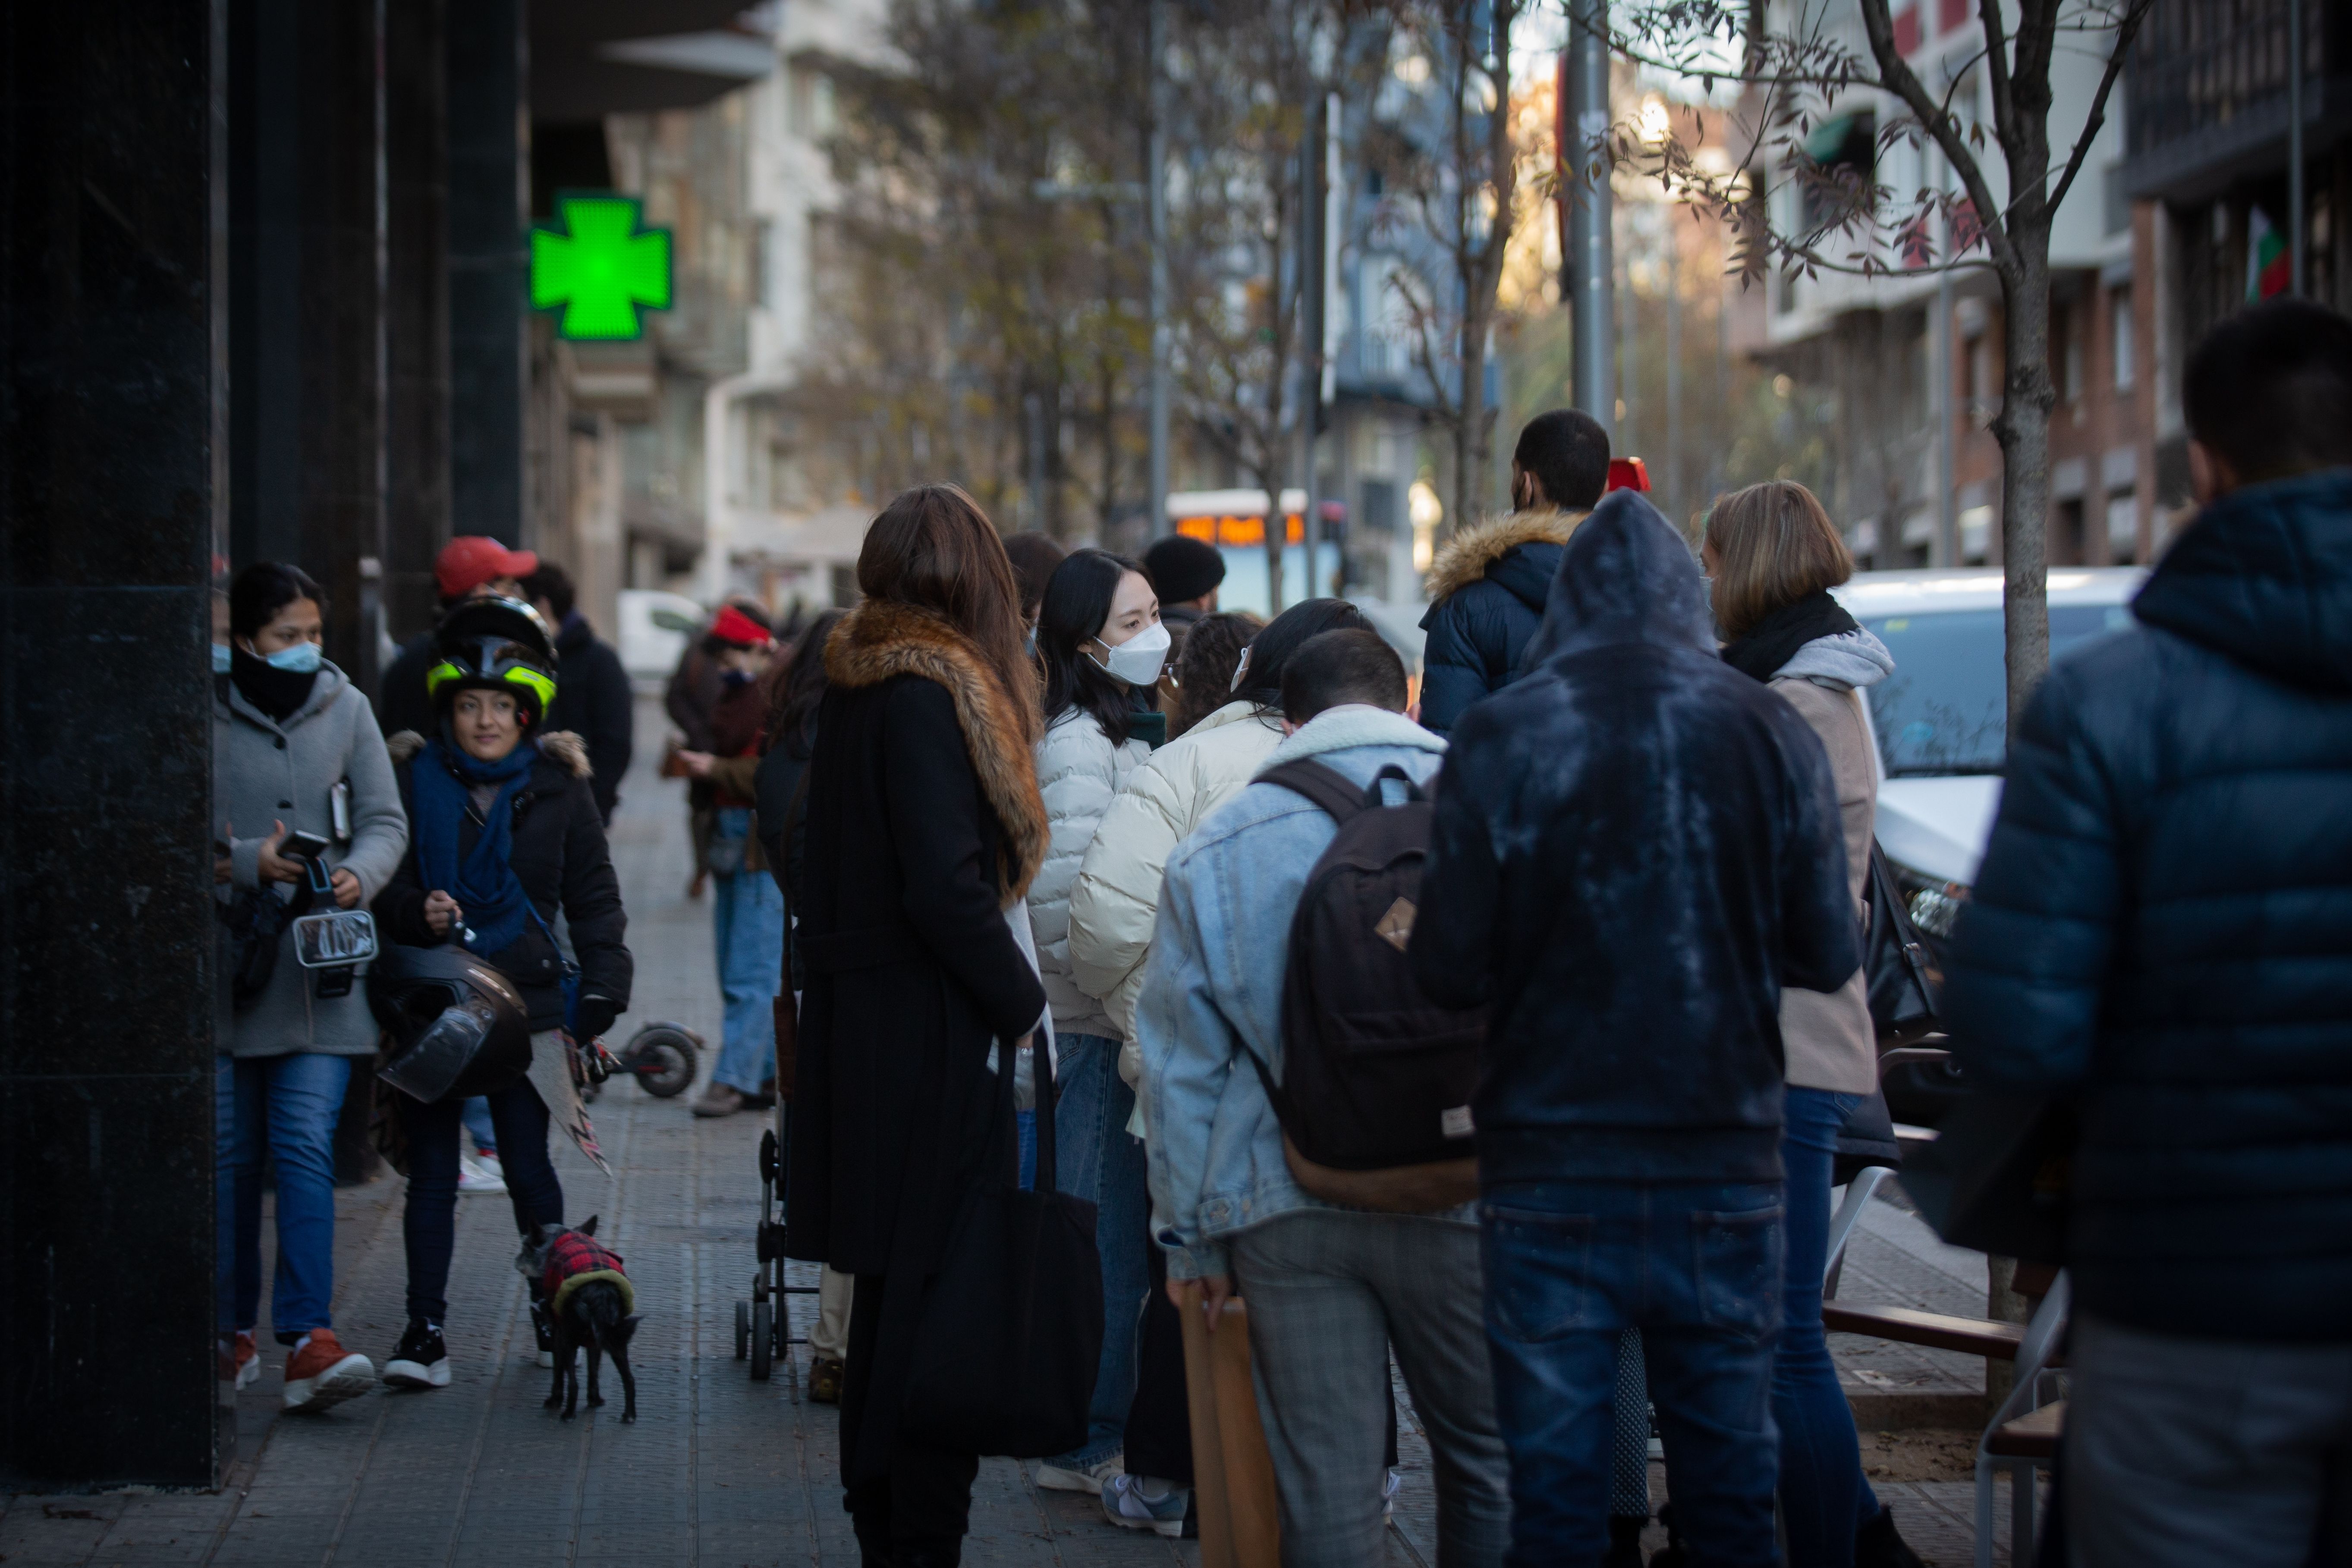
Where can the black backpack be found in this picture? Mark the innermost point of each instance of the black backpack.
(1375, 1101)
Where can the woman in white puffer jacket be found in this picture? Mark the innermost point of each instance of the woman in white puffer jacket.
(1112, 907)
(1100, 647)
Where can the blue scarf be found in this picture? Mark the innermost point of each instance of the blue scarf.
(484, 885)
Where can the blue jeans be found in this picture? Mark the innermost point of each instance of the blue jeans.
(476, 1115)
(1697, 1269)
(747, 912)
(292, 1101)
(1824, 1497)
(1099, 1160)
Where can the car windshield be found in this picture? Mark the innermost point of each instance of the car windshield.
(1942, 710)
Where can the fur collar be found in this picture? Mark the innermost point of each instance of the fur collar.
(561, 747)
(1350, 725)
(1464, 559)
(880, 640)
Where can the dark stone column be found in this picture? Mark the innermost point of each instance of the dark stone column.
(490, 162)
(306, 322)
(110, 166)
(417, 307)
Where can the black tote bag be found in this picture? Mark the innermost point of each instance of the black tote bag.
(1996, 1176)
(1003, 1360)
(1894, 962)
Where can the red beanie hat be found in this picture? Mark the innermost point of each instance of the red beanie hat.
(734, 627)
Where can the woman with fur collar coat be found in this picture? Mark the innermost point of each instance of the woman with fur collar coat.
(925, 830)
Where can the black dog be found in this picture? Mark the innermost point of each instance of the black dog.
(591, 1302)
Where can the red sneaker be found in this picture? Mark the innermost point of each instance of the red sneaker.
(248, 1360)
(323, 1374)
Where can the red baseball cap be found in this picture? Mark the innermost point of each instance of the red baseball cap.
(735, 628)
(470, 559)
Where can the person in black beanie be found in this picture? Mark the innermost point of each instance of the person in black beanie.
(1185, 574)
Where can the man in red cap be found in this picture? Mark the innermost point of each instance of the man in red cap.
(471, 566)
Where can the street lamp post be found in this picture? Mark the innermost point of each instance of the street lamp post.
(1588, 258)
(1155, 180)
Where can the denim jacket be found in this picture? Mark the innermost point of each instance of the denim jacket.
(1213, 983)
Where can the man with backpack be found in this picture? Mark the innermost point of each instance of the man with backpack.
(1635, 848)
(1267, 917)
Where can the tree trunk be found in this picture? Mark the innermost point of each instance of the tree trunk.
(2023, 432)
(1470, 444)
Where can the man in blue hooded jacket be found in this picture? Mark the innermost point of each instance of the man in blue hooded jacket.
(2162, 930)
(1635, 848)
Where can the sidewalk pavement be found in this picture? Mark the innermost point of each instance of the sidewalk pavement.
(718, 1470)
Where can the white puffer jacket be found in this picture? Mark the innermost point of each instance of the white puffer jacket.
(1117, 898)
(1078, 773)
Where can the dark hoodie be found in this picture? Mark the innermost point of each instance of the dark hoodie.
(1636, 847)
(2163, 925)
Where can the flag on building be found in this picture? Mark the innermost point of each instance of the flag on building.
(2269, 269)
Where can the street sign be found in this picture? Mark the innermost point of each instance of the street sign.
(599, 267)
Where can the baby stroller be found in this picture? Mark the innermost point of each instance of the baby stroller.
(763, 1327)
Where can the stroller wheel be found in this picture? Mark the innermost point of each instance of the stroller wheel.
(742, 1330)
(763, 1343)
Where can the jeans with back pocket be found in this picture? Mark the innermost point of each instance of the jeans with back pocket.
(1697, 1269)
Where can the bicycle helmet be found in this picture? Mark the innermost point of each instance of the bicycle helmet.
(458, 1027)
(494, 645)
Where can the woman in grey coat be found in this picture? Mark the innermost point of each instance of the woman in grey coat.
(291, 738)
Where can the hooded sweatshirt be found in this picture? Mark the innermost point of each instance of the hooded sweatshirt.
(1635, 848)
(2162, 928)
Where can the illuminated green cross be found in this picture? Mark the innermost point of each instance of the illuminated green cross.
(600, 272)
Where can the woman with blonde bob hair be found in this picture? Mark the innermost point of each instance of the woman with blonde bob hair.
(1773, 555)
(924, 830)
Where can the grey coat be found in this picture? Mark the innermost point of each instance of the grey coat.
(264, 773)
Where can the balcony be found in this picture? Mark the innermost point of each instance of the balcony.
(2206, 92)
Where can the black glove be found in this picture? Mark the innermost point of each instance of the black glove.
(594, 1016)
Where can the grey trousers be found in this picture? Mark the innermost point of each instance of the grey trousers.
(2183, 1452)
(1329, 1293)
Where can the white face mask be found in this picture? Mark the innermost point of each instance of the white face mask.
(1138, 660)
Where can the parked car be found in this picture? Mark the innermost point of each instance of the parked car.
(654, 629)
(1941, 722)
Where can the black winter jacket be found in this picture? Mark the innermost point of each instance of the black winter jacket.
(2163, 926)
(1486, 590)
(402, 701)
(593, 701)
(1635, 848)
(560, 856)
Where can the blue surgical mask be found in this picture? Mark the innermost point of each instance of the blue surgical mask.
(302, 658)
(221, 652)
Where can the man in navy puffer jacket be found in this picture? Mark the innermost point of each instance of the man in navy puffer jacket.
(1487, 586)
(2163, 929)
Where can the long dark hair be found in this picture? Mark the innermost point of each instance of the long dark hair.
(934, 549)
(1077, 605)
(799, 687)
(263, 589)
(1205, 671)
(1261, 681)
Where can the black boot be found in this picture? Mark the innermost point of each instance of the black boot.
(1674, 1553)
(1625, 1541)
(1876, 1545)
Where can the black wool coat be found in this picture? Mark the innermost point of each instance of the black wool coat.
(2162, 927)
(593, 701)
(560, 856)
(923, 822)
(1635, 848)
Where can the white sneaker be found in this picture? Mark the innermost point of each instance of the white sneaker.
(1130, 1503)
(1090, 1480)
(481, 1173)
(1391, 1484)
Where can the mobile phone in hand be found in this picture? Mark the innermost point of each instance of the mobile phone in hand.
(307, 846)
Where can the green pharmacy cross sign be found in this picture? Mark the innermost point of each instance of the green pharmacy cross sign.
(599, 267)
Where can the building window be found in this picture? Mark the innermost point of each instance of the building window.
(2122, 528)
(2119, 337)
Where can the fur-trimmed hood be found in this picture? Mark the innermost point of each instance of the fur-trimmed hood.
(561, 747)
(880, 640)
(1464, 558)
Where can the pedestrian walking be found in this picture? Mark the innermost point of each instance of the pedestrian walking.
(1636, 848)
(299, 772)
(469, 566)
(1771, 555)
(1100, 649)
(783, 789)
(593, 698)
(507, 836)
(1330, 1289)
(1487, 586)
(747, 914)
(925, 830)
(2161, 937)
